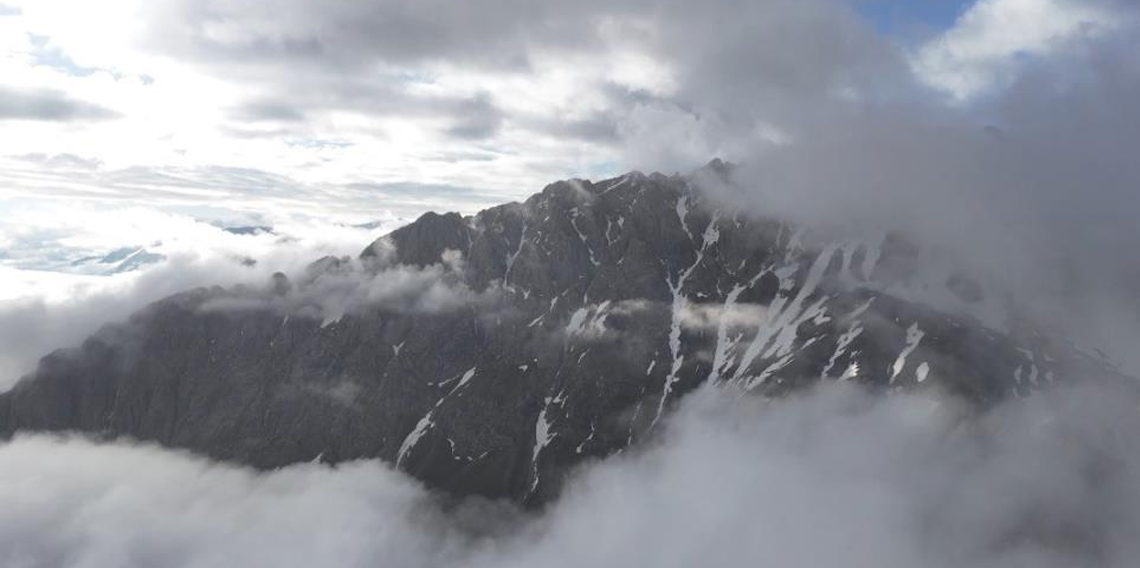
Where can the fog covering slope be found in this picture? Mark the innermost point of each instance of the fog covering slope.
(490, 354)
(828, 477)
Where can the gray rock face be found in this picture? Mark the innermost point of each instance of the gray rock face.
(582, 315)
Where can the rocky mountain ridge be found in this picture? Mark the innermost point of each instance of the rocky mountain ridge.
(490, 354)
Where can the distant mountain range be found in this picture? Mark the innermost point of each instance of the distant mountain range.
(119, 260)
(490, 354)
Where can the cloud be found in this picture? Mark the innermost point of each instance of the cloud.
(60, 161)
(993, 37)
(1030, 187)
(833, 477)
(1029, 178)
(705, 316)
(333, 287)
(553, 90)
(141, 506)
(51, 298)
(534, 92)
(62, 178)
(340, 33)
(48, 105)
(33, 326)
(274, 111)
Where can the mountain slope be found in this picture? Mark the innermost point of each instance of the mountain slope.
(490, 354)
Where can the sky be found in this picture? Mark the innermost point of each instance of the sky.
(907, 20)
(151, 127)
(356, 110)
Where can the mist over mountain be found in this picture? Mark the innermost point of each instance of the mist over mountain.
(552, 372)
(491, 354)
(296, 283)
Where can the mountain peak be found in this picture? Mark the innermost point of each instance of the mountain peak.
(574, 322)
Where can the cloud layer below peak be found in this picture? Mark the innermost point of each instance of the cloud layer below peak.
(831, 477)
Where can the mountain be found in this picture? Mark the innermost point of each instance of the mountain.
(490, 354)
(249, 230)
(118, 261)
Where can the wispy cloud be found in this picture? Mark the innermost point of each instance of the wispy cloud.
(54, 292)
(48, 105)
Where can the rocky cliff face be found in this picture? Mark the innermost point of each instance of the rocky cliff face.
(490, 354)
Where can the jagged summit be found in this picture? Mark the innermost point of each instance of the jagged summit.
(490, 354)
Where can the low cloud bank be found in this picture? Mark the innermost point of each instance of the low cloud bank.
(334, 287)
(834, 477)
(42, 310)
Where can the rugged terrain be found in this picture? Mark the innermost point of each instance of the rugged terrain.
(490, 354)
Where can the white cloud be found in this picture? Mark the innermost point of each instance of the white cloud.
(988, 42)
(177, 112)
(834, 478)
(707, 316)
(348, 287)
(71, 503)
(47, 303)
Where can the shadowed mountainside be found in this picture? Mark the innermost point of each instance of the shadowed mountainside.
(529, 337)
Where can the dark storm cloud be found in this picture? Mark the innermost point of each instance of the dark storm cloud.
(48, 105)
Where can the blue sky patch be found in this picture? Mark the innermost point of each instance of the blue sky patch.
(912, 20)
